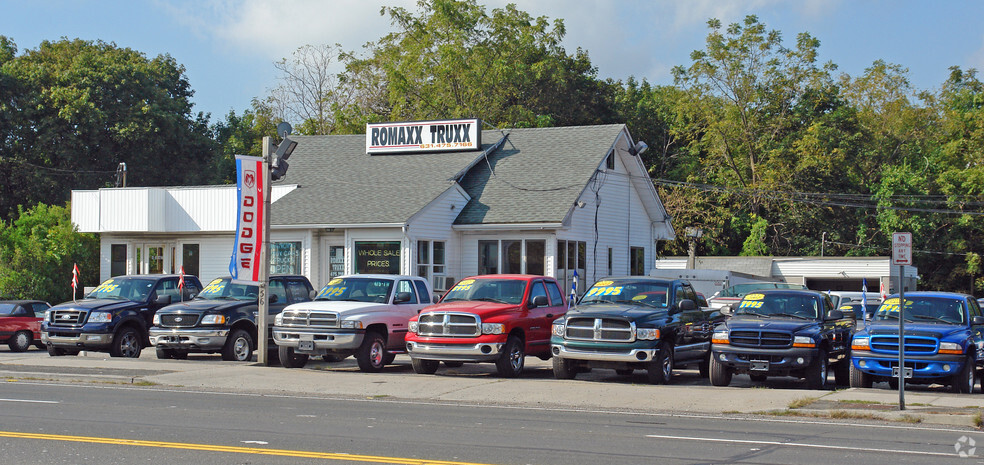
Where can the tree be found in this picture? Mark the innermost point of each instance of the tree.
(38, 251)
(76, 109)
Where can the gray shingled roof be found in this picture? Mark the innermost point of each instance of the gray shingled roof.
(538, 175)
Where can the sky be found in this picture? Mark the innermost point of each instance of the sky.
(228, 47)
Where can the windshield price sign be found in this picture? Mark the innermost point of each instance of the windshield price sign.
(902, 248)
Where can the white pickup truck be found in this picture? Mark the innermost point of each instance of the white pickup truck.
(361, 315)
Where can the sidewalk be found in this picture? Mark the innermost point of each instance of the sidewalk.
(478, 384)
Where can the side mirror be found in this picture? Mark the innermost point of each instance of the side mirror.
(274, 298)
(977, 320)
(539, 301)
(834, 315)
(163, 300)
(312, 294)
(727, 310)
(402, 297)
(687, 304)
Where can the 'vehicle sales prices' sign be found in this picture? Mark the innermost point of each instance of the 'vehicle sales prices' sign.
(902, 248)
(424, 136)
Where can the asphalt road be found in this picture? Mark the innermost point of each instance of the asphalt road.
(56, 423)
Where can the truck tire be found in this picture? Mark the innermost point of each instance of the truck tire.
(720, 375)
(165, 354)
(424, 367)
(20, 341)
(842, 372)
(290, 359)
(512, 358)
(660, 369)
(58, 352)
(371, 355)
(860, 379)
(816, 373)
(127, 343)
(564, 369)
(238, 347)
(964, 381)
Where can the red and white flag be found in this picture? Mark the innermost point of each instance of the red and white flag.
(883, 295)
(181, 278)
(75, 279)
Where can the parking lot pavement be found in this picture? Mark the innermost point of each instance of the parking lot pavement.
(479, 384)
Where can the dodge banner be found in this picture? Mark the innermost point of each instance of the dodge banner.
(248, 249)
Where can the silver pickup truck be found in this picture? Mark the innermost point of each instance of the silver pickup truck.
(361, 315)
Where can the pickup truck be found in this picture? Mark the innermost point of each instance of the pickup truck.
(783, 333)
(222, 318)
(498, 318)
(115, 316)
(362, 315)
(634, 323)
(944, 335)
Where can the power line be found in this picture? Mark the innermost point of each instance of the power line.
(58, 170)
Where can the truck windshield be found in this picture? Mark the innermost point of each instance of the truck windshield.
(225, 289)
(780, 304)
(739, 290)
(653, 294)
(938, 310)
(123, 289)
(357, 290)
(506, 291)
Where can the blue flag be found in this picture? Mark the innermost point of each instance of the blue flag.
(864, 300)
(572, 303)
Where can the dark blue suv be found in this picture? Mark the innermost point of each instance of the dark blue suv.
(944, 334)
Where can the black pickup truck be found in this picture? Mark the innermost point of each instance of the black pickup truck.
(634, 323)
(783, 333)
(115, 316)
(223, 318)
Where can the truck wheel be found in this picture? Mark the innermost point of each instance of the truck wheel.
(239, 346)
(20, 341)
(816, 373)
(624, 372)
(720, 375)
(564, 369)
(55, 352)
(963, 382)
(660, 369)
(424, 367)
(165, 354)
(453, 364)
(372, 353)
(290, 359)
(127, 343)
(860, 379)
(842, 372)
(512, 358)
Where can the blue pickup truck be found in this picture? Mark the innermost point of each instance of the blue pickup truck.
(944, 335)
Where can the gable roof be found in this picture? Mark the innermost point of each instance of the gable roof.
(538, 175)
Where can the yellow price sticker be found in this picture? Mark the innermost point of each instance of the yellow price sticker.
(639, 297)
(754, 296)
(605, 291)
(465, 282)
(750, 304)
(604, 283)
(330, 291)
(334, 282)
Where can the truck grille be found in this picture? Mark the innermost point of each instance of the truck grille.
(764, 339)
(600, 329)
(889, 344)
(179, 320)
(448, 324)
(308, 318)
(67, 317)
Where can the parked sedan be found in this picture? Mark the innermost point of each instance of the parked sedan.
(20, 323)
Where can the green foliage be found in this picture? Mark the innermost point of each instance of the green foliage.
(37, 252)
(754, 245)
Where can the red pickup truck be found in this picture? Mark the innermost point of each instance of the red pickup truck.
(498, 318)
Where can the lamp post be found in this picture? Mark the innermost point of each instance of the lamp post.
(692, 234)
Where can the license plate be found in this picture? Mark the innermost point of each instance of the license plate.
(759, 366)
(306, 345)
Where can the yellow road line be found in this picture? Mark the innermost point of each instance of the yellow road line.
(235, 449)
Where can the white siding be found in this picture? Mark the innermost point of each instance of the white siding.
(125, 209)
(433, 223)
(831, 267)
(85, 210)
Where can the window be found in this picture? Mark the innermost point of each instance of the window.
(512, 257)
(610, 161)
(519, 256)
(167, 287)
(535, 255)
(556, 297)
(425, 298)
(571, 256)
(377, 257)
(336, 261)
(189, 259)
(285, 258)
(117, 265)
(431, 264)
(155, 260)
(277, 289)
(39, 309)
(537, 289)
(407, 286)
(488, 257)
(298, 290)
(638, 257)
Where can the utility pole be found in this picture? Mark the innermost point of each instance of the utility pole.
(263, 302)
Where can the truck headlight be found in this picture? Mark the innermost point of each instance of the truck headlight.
(213, 319)
(279, 319)
(951, 348)
(493, 328)
(47, 315)
(100, 317)
(647, 334)
(157, 320)
(352, 324)
(803, 341)
(720, 337)
(860, 343)
(412, 327)
(559, 329)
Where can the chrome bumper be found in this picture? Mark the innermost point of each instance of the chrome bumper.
(317, 340)
(482, 352)
(81, 340)
(627, 356)
(189, 338)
